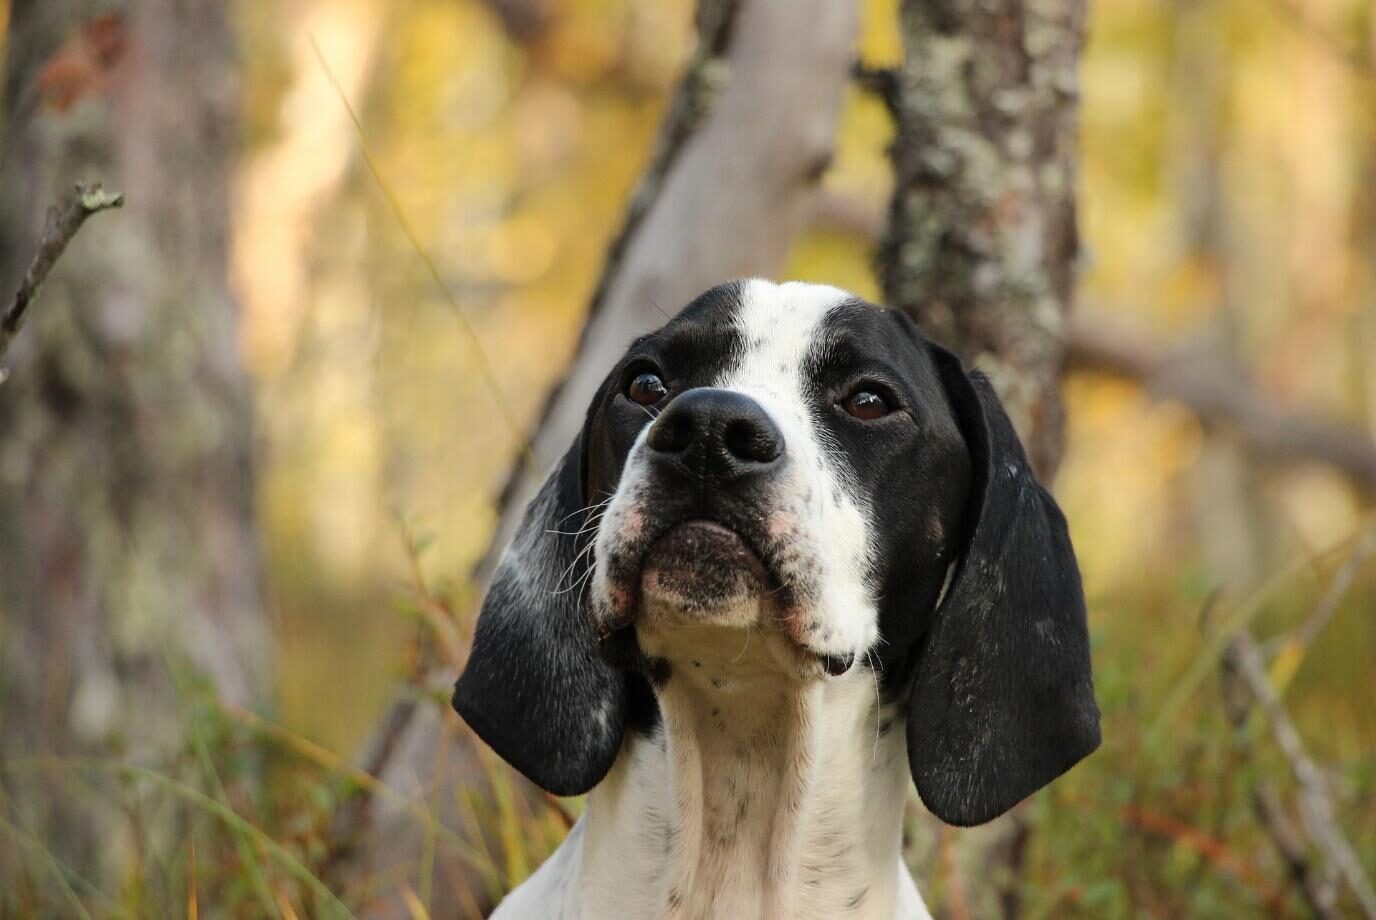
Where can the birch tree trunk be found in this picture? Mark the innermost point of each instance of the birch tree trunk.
(981, 247)
(127, 544)
(742, 152)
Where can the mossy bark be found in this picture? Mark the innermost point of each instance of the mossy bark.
(127, 541)
(982, 242)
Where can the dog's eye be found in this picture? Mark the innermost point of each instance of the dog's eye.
(866, 405)
(646, 389)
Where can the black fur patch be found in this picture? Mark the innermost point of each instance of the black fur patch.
(1003, 700)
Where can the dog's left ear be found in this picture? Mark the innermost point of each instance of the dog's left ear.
(535, 688)
(1003, 701)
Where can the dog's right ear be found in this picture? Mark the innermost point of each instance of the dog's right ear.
(535, 688)
(1003, 699)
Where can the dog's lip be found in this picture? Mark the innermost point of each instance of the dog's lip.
(712, 530)
(707, 525)
(698, 529)
(637, 561)
(833, 664)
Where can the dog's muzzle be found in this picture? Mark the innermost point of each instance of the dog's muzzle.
(710, 458)
(710, 464)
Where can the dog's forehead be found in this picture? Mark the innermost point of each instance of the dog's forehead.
(757, 330)
(781, 326)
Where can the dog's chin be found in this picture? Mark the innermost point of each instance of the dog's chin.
(702, 573)
(702, 593)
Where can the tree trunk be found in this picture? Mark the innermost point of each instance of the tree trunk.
(982, 241)
(730, 189)
(981, 245)
(128, 563)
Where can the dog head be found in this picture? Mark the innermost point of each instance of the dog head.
(792, 461)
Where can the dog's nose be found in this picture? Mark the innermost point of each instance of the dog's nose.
(723, 433)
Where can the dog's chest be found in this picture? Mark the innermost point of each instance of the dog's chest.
(757, 820)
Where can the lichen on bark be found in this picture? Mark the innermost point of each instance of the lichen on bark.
(981, 243)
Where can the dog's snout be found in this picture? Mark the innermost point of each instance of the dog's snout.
(729, 433)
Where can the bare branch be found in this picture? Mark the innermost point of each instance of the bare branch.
(1290, 843)
(1219, 394)
(1243, 659)
(61, 227)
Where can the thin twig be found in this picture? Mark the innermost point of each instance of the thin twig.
(62, 224)
(1243, 659)
(1289, 841)
(480, 358)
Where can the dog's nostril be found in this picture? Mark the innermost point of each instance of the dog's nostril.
(672, 433)
(747, 439)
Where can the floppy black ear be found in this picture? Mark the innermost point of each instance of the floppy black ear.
(1003, 701)
(534, 687)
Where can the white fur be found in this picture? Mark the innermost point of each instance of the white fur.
(822, 791)
(824, 521)
(769, 789)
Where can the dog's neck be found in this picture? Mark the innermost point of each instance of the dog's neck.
(759, 795)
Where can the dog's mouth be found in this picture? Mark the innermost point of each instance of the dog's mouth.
(698, 567)
(702, 573)
(691, 557)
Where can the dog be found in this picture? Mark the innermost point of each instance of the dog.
(795, 558)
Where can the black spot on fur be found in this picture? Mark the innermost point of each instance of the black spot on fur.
(658, 671)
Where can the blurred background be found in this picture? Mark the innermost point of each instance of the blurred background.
(406, 207)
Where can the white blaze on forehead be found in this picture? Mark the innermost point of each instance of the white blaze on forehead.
(781, 327)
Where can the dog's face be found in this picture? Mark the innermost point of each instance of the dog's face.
(790, 461)
(776, 457)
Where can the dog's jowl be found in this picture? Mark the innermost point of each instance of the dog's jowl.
(795, 559)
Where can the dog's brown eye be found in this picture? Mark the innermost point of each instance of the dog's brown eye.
(866, 405)
(646, 389)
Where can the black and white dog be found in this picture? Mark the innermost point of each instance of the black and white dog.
(795, 557)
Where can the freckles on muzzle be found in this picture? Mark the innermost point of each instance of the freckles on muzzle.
(702, 565)
(718, 521)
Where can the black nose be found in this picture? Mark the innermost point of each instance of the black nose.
(723, 433)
